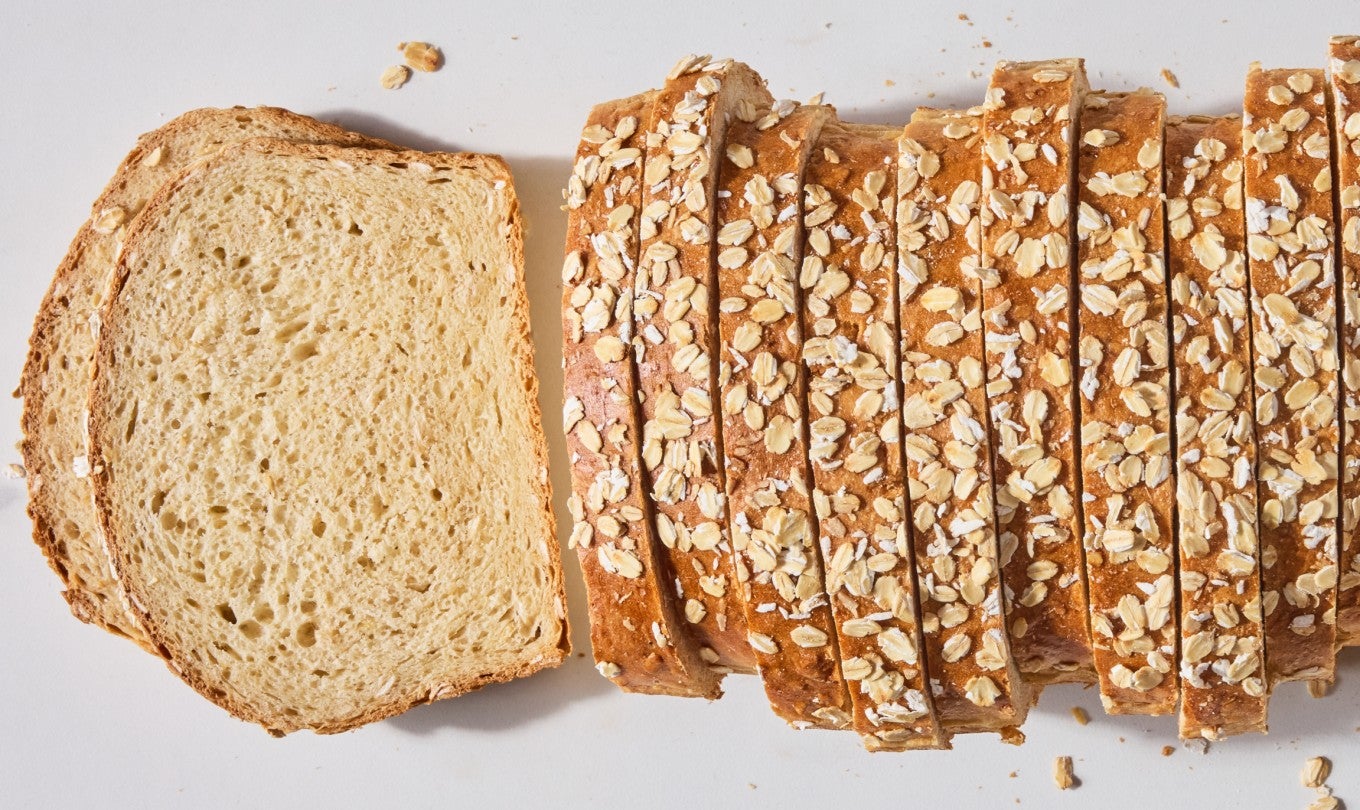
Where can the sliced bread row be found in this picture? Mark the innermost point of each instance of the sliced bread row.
(968, 397)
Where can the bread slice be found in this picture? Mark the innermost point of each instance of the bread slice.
(764, 394)
(1222, 644)
(850, 320)
(1125, 360)
(308, 357)
(1029, 126)
(677, 334)
(1290, 243)
(55, 380)
(944, 412)
(633, 616)
(1345, 72)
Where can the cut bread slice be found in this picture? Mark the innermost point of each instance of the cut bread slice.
(1222, 645)
(633, 615)
(1029, 126)
(859, 486)
(944, 413)
(763, 395)
(308, 355)
(677, 333)
(1287, 176)
(1345, 72)
(55, 380)
(1125, 414)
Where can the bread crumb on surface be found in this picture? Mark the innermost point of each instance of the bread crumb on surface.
(14, 471)
(1062, 773)
(1080, 715)
(1170, 78)
(422, 56)
(1168, 750)
(395, 76)
(1319, 689)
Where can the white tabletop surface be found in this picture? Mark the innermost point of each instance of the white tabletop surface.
(88, 720)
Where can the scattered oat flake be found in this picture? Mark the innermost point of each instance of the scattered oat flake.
(422, 56)
(1062, 773)
(1170, 78)
(1079, 714)
(395, 76)
(1315, 772)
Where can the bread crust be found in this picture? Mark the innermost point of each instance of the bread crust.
(627, 587)
(1222, 643)
(1029, 164)
(496, 174)
(764, 391)
(676, 335)
(1125, 385)
(944, 413)
(850, 319)
(50, 388)
(1290, 249)
(1345, 72)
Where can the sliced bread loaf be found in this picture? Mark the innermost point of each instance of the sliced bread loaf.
(1222, 646)
(1287, 184)
(55, 381)
(635, 629)
(944, 412)
(308, 356)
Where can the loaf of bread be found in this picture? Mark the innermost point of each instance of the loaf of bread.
(307, 357)
(56, 374)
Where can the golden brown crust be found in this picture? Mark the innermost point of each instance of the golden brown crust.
(764, 389)
(1125, 386)
(948, 449)
(850, 320)
(1345, 72)
(1290, 249)
(631, 608)
(496, 174)
(676, 324)
(1029, 164)
(1223, 687)
(57, 366)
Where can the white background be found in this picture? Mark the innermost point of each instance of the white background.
(87, 720)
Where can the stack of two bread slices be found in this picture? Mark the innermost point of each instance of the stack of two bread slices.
(303, 343)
